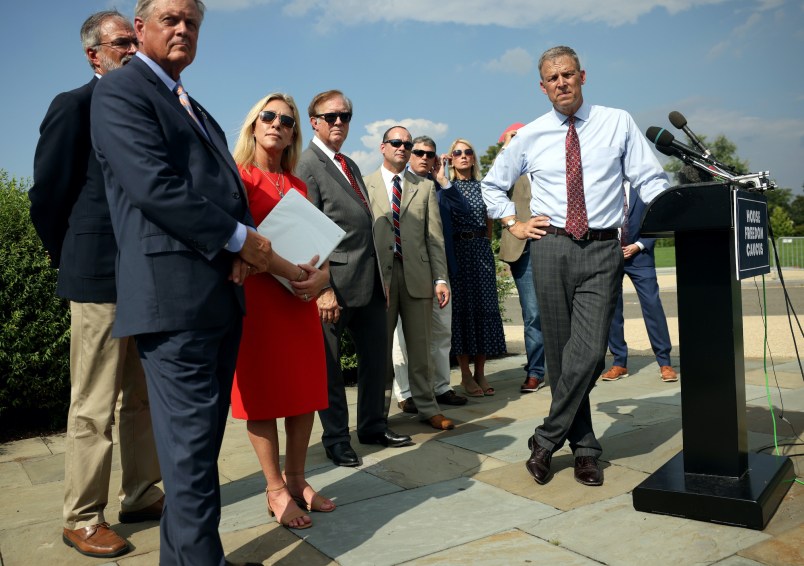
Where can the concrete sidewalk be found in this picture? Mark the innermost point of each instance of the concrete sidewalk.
(461, 496)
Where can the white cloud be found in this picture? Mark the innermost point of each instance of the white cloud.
(516, 60)
(369, 159)
(506, 13)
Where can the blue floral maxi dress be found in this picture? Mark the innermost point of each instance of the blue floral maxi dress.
(476, 321)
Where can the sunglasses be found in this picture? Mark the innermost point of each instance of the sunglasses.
(268, 116)
(332, 117)
(458, 152)
(423, 153)
(122, 43)
(399, 143)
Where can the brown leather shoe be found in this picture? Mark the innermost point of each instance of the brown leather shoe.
(449, 397)
(587, 471)
(98, 541)
(538, 464)
(615, 373)
(668, 374)
(152, 512)
(441, 422)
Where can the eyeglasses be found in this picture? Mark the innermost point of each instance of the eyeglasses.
(423, 153)
(331, 117)
(399, 143)
(122, 44)
(268, 116)
(458, 152)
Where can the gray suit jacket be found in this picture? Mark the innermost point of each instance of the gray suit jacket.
(353, 265)
(420, 230)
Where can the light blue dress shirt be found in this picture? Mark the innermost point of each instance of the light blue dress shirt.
(613, 150)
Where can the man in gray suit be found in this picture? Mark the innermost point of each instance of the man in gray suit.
(356, 297)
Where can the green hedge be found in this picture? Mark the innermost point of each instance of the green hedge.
(34, 323)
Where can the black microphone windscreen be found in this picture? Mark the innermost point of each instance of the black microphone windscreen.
(667, 150)
(677, 119)
(659, 136)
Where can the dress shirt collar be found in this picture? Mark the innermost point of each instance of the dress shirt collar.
(160, 72)
(582, 114)
(388, 176)
(323, 147)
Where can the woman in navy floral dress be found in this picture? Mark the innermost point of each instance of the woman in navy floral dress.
(476, 322)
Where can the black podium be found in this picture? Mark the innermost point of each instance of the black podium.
(714, 478)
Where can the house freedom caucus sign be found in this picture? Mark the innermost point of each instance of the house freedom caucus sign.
(751, 234)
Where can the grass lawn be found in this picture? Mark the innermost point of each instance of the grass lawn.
(665, 257)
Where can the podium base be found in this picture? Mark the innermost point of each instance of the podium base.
(749, 501)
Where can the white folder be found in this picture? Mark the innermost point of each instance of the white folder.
(298, 231)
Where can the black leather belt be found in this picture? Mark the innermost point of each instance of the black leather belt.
(590, 234)
(470, 234)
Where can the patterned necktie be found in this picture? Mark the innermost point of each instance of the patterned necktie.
(342, 160)
(577, 221)
(185, 101)
(396, 200)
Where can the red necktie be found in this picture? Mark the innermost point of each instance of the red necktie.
(396, 200)
(342, 160)
(577, 221)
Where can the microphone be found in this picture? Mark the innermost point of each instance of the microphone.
(661, 137)
(679, 121)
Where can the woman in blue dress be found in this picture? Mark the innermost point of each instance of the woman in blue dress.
(477, 330)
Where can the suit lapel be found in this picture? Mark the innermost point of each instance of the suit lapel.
(409, 189)
(336, 173)
(379, 196)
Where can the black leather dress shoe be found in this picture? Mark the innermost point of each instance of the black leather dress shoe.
(388, 439)
(587, 471)
(451, 398)
(538, 464)
(408, 406)
(342, 454)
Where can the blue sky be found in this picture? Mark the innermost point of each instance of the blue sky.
(452, 68)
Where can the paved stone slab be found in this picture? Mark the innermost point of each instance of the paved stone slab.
(787, 549)
(47, 469)
(24, 449)
(510, 547)
(271, 544)
(674, 540)
(12, 476)
(418, 522)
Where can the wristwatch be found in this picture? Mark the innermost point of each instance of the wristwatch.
(510, 223)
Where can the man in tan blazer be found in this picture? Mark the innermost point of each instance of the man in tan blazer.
(410, 244)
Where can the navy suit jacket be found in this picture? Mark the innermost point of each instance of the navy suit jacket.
(175, 199)
(636, 209)
(68, 201)
(450, 200)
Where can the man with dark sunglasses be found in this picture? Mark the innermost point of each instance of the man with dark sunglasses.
(576, 156)
(356, 299)
(410, 244)
(71, 216)
(424, 163)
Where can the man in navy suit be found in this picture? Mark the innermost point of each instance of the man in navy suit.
(181, 220)
(640, 266)
(71, 216)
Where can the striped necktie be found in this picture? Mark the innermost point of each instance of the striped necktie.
(185, 101)
(396, 200)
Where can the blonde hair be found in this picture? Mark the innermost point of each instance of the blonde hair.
(475, 169)
(246, 145)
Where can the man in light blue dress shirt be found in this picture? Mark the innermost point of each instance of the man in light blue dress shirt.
(577, 277)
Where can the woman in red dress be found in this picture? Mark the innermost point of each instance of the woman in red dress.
(281, 369)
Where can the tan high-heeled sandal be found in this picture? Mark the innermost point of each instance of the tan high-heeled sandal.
(289, 514)
(470, 387)
(316, 502)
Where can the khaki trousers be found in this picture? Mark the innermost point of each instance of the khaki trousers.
(100, 368)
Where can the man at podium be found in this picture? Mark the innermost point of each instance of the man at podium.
(577, 156)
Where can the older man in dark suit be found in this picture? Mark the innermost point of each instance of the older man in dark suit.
(181, 221)
(71, 216)
(356, 299)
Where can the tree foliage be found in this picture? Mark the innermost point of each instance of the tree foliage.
(34, 323)
(723, 149)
